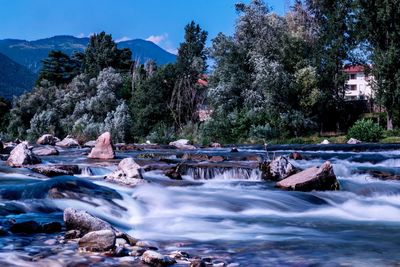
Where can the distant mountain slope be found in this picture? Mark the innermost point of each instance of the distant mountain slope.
(14, 78)
(145, 50)
(31, 53)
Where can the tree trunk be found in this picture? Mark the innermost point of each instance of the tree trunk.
(389, 122)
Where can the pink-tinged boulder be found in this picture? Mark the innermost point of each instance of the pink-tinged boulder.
(182, 144)
(128, 173)
(47, 139)
(321, 179)
(45, 151)
(68, 142)
(21, 155)
(104, 148)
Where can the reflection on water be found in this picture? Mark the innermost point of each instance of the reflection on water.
(229, 213)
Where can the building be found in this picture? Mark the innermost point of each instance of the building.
(358, 83)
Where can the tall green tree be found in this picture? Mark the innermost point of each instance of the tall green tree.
(58, 68)
(191, 64)
(379, 23)
(102, 52)
(335, 42)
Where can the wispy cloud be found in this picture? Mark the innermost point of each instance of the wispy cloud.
(123, 39)
(163, 41)
(172, 50)
(157, 39)
(82, 35)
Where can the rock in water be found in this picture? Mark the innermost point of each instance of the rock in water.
(45, 150)
(322, 178)
(215, 145)
(278, 169)
(51, 171)
(90, 143)
(84, 222)
(104, 148)
(98, 241)
(156, 259)
(68, 142)
(28, 227)
(295, 156)
(182, 144)
(353, 141)
(47, 139)
(325, 142)
(21, 155)
(128, 173)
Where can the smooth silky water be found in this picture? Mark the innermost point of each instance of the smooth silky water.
(231, 215)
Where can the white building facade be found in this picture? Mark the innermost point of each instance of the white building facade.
(358, 84)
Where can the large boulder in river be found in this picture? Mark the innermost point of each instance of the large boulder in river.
(47, 139)
(278, 169)
(104, 148)
(182, 144)
(51, 170)
(98, 241)
(128, 173)
(84, 222)
(45, 151)
(21, 155)
(68, 142)
(322, 179)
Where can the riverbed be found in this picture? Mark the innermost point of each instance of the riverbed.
(230, 215)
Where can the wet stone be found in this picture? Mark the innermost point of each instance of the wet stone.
(72, 234)
(156, 259)
(28, 227)
(98, 241)
(52, 227)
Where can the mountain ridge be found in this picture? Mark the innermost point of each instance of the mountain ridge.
(31, 53)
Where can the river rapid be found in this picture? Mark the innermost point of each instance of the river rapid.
(227, 214)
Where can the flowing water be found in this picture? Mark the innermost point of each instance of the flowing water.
(220, 212)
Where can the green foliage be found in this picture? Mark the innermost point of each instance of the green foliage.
(191, 64)
(365, 130)
(5, 107)
(149, 103)
(161, 134)
(379, 26)
(58, 68)
(102, 52)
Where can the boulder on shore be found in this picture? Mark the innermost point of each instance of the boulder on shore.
(68, 142)
(84, 222)
(278, 169)
(353, 141)
(98, 241)
(325, 142)
(182, 144)
(322, 179)
(215, 145)
(21, 155)
(47, 139)
(45, 151)
(104, 148)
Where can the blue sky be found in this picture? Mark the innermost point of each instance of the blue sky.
(161, 21)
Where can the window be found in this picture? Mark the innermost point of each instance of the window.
(352, 87)
(352, 76)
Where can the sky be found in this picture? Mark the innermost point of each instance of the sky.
(159, 21)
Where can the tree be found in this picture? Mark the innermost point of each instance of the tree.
(335, 43)
(58, 68)
(150, 100)
(191, 64)
(102, 52)
(379, 24)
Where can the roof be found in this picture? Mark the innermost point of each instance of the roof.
(354, 69)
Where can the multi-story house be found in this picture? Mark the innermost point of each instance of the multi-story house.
(358, 83)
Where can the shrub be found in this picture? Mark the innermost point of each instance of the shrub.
(365, 130)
